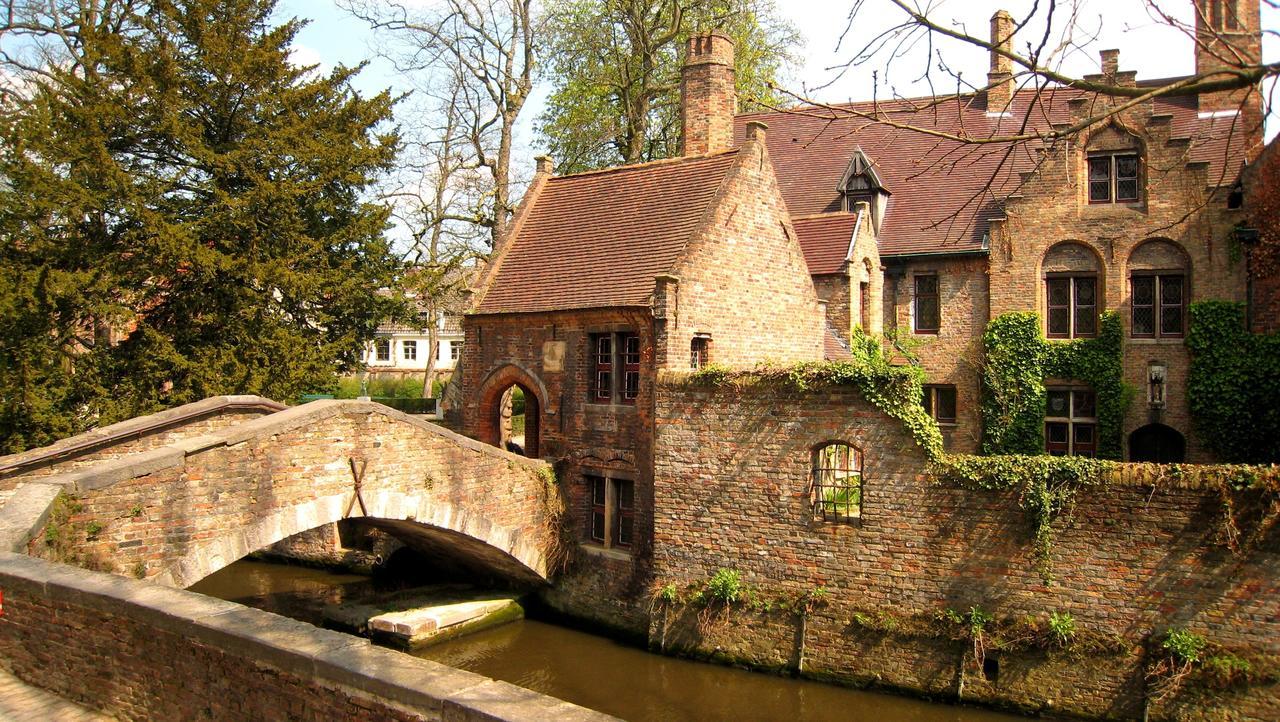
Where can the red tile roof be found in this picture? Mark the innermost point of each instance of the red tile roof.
(598, 239)
(943, 191)
(825, 240)
(835, 348)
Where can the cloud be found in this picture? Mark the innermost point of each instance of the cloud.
(303, 56)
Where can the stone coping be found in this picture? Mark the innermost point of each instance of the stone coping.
(27, 509)
(330, 658)
(73, 446)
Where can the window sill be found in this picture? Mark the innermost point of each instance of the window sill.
(602, 407)
(1170, 341)
(595, 549)
(834, 526)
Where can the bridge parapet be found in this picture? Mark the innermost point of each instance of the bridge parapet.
(177, 513)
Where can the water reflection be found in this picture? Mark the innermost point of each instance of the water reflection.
(636, 685)
(593, 671)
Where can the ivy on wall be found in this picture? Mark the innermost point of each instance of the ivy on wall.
(895, 390)
(1018, 360)
(1234, 384)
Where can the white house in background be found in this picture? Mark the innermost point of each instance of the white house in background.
(398, 349)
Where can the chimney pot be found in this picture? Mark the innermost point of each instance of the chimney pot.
(545, 166)
(1110, 62)
(707, 98)
(1000, 77)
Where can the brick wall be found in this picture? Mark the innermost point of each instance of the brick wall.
(138, 651)
(1176, 205)
(134, 435)
(834, 289)
(731, 482)
(954, 354)
(743, 279)
(178, 514)
(583, 436)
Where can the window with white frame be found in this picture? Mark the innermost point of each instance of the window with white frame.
(1070, 421)
(409, 350)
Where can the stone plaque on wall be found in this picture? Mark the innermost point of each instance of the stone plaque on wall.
(553, 356)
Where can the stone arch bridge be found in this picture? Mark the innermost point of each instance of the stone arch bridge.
(218, 490)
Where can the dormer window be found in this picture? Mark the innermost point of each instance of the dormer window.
(1113, 177)
(861, 184)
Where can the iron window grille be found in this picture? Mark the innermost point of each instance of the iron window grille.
(836, 485)
(1071, 422)
(1158, 302)
(1072, 303)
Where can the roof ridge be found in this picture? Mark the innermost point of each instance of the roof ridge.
(824, 214)
(646, 164)
(945, 97)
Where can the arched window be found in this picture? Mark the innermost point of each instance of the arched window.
(1072, 291)
(1158, 286)
(836, 487)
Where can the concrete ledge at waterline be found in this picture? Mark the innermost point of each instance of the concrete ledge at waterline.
(25, 513)
(330, 660)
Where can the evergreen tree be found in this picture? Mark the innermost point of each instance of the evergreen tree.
(183, 217)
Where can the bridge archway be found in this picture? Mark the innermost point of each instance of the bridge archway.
(418, 521)
(495, 391)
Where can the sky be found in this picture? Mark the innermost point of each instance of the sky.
(1146, 44)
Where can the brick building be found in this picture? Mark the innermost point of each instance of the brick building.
(776, 235)
(1134, 215)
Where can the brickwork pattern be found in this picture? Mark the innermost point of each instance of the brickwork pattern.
(954, 354)
(744, 279)
(584, 437)
(137, 651)
(731, 482)
(199, 509)
(1176, 206)
(18, 469)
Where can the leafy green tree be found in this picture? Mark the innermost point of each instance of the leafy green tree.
(614, 67)
(182, 213)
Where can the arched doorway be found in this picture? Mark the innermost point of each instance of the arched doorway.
(509, 411)
(1157, 443)
(517, 420)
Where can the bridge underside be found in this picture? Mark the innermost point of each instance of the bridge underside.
(458, 556)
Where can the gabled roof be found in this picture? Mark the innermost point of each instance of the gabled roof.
(860, 166)
(945, 191)
(598, 239)
(826, 239)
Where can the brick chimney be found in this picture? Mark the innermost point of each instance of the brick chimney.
(1227, 34)
(707, 96)
(1000, 77)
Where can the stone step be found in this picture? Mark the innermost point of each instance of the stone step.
(417, 626)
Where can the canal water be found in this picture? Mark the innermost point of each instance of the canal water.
(595, 671)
